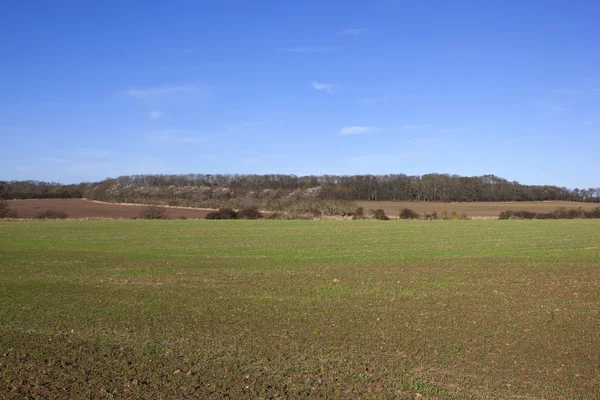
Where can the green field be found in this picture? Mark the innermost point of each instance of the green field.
(287, 309)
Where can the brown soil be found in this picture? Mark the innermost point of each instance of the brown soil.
(81, 208)
(475, 209)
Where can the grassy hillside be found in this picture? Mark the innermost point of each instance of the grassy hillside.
(285, 309)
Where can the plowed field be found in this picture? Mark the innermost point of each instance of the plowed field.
(81, 208)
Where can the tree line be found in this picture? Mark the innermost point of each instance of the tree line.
(393, 187)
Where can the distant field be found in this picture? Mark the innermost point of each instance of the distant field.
(475, 209)
(81, 208)
(289, 309)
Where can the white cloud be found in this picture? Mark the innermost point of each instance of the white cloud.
(174, 137)
(416, 126)
(155, 92)
(566, 91)
(358, 130)
(373, 100)
(383, 100)
(24, 168)
(95, 153)
(156, 114)
(353, 32)
(54, 160)
(384, 159)
(306, 49)
(326, 87)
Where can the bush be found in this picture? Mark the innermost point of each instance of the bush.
(153, 212)
(595, 213)
(432, 216)
(250, 213)
(6, 211)
(359, 213)
(223, 213)
(517, 215)
(453, 215)
(379, 214)
(566, 213)
(407, 213)
(52, 214)
(288, 216)
(559, 213)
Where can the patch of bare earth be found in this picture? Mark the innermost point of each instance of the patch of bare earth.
(81, 208)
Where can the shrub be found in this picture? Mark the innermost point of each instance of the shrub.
(359, 213)
(379, 214)
(559, 213)
(287, 216)
(506, 214)
(223, 213)
(6, 211)
(566, 213)
(52, 214)
(407, 213)
(250, 213)
(595, 213)
(453, 215)
(517, 215)
(213, 215)
(433, 215)
(153, 212)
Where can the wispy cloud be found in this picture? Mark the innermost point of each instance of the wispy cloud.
(417, 126)
(373, 100)
(307, 49)
(567, 91)
(326, 87)
(95, 153)
(174, 137)
(54, 160)
(23, 168)
(542, 106)
(155, 92)
(353, 32)
(156, 114)
(384, 159)
(369, 101)
(358, 130)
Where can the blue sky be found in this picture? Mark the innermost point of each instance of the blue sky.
(90, 90)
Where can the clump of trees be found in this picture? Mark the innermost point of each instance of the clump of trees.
(215, 191)
(359, 213)
(379, 214)
(153, 211)
(407, 213)
(40, 190)
(228, 213)
(453, 215)
(6, 211)
(559, 213)
(250, 213)
(52, 214)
